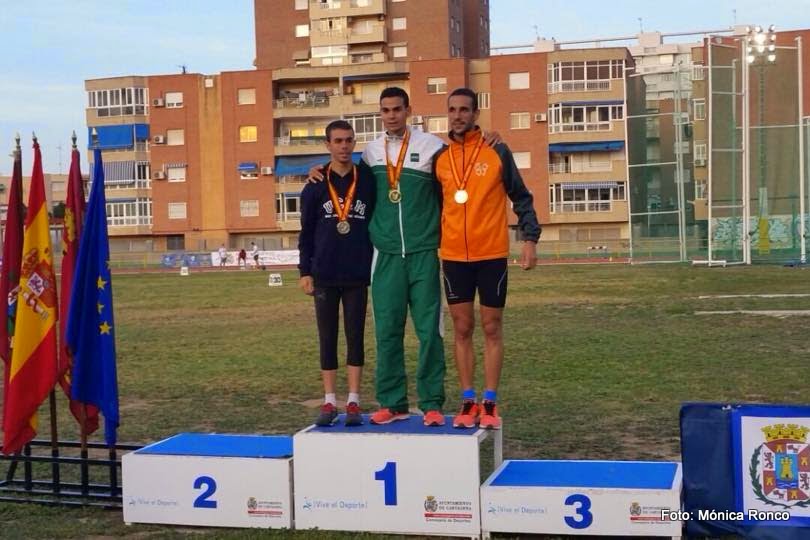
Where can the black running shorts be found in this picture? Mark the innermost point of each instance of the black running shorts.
(461, 279)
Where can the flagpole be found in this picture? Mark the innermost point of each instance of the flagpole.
(52, 406)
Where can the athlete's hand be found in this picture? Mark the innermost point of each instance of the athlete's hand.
(315, 175)
(492, 138)
(528, 256)
(307, 285)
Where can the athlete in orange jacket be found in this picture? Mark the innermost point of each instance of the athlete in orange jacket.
(476, 179)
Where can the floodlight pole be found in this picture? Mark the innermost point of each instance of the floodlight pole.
(746, 166)
(802, 208)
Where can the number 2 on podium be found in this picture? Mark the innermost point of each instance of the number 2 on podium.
(583, 517)
(388, 476)
(203, 501)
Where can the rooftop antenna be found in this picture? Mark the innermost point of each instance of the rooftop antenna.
(734, 12)
(536, 32)
(641, 25)
(182, 68)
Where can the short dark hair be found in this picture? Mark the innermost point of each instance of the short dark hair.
(395, 91)
(337, 124)
(466, 92)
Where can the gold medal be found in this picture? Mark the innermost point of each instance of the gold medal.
(394, 195)
(461, 196)
(342, 212)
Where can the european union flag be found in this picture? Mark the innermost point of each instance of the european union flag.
(90, 326)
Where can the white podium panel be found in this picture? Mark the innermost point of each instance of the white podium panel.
(214, 480)
(610, 498)
(400, 478)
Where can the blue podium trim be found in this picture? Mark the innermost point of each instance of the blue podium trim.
(760, 411)
(587, 474)
(411, 426)
(221, 445)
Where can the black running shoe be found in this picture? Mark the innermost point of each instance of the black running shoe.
(353, 416)
(327, 416)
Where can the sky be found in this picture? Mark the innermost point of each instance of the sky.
(49, 47)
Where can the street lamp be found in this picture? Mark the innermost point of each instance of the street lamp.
(760, 50)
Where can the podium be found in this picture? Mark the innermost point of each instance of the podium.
(400, 478)
(210, 479)
(610, 498)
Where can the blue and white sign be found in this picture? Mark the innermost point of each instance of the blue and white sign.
(400, 478)
(214, 480)
(583, 498)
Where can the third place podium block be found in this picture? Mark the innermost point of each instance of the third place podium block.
(397, 478)
(599, 498)
(210, 479)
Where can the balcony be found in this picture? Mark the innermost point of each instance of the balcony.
(296, 146)
(602, 85)
(306, 106)
(586, 131)
(579, 171)
(588, 212)
(348, 36)
(320, 9)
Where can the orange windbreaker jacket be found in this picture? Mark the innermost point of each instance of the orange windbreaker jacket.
(478, 230)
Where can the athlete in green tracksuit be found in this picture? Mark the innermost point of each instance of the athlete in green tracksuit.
(405, 273)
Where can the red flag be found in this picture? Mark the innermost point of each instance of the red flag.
(10, 275)
(71, 233)
(32, 370)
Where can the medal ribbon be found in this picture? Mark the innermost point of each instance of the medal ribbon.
(342, 212)
(462, 183)
(394, 173)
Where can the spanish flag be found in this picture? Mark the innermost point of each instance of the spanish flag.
(33, 370)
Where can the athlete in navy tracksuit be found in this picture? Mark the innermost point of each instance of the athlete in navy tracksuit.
(335, 263)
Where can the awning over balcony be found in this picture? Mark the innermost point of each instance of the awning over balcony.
(115, 137)
(374, 76)
(601, 146)
(300, 165)
(590, 185)
(248, 166)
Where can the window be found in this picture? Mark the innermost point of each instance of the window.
(572, 118)
(249, 208)
(697, 72)
(177, 210)
(523, 160)
(176, 174)
(288, 206)
(437, 85)
(483, 100)
(366, 127)
(400, 51)
(176, 242)
(57, 186)
(301, 30)
(519, 81)
(437, 124)
(117, 101)
(142, 176)
(129, 212)
(701, 153)
(246, 96)
(173, 99)
(248, 133)
(700, 109)
(590, 197)
(519, 120)
(175, 137)
(584, 76)
(399, 23)
(301, 4)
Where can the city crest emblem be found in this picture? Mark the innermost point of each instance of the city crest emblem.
(431, 504)
(780, 466)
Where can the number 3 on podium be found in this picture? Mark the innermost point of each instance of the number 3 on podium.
(388, 476)
(583, 517)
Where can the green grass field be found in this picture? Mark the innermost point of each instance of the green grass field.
(598, 361)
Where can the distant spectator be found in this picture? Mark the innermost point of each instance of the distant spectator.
(223, 256)
(243, 258)
(254, 252)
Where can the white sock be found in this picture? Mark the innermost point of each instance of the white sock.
(330, 398)
(353, 398)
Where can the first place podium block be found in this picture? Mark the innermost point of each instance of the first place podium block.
(210, 479)
(398, 478)
(599, 498)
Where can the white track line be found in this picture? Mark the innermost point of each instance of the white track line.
(780, 313)
(709, 297)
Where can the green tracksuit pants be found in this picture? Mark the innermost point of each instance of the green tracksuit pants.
(397, 284)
